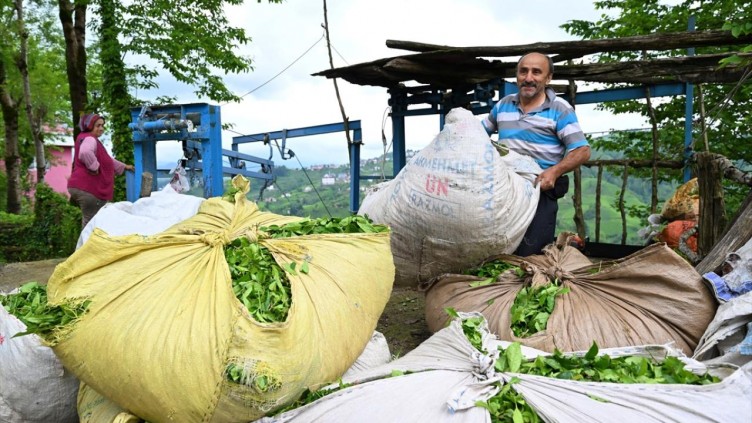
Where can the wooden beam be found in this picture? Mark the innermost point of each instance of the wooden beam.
(669, 164)
(447, 70)
(658, 41)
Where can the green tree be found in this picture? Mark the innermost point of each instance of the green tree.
(728, 121)
(164, 31)
(29, 58)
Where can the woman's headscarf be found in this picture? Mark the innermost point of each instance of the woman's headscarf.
(88, 121)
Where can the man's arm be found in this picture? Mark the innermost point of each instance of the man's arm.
(572, 160)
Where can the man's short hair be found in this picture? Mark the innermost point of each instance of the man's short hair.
(550, 61)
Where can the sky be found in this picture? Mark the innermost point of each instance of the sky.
(287, 47)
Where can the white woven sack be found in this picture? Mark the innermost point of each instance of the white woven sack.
(455, 203)
(145, 216)
(375, 354)
(34, 386)
(722, 340)
(445, 376)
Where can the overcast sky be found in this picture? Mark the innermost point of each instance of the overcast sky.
(281, 33)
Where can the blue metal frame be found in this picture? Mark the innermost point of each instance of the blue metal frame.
(481, 100)
(284, 134)
(199, 127)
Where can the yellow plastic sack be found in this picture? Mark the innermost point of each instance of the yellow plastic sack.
(163, 322)
(684, 204)
(94, 408)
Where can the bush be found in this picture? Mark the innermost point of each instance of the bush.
(51, 232)
(14, 231)
(57, 224)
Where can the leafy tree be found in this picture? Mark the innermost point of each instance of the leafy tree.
(728, 122)
(164, 31)
(30, 58)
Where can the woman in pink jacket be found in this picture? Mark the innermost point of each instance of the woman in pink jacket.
(92, 179)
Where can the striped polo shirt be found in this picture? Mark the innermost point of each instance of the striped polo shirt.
(545, 134)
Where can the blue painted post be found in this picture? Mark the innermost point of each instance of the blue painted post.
(144, 156)
(130, 191)
(211, 152)
(398, 143)
(689, 112)
(354, 148)
(398, 102)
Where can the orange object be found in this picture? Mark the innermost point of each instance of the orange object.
(673, 232)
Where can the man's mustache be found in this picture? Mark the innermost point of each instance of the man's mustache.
(528, 84)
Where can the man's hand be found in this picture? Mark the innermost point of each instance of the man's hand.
(547, 179)
(574, 158)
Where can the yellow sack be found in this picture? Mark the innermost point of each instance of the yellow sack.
(684, 204)
(163, 322)
(94, 408)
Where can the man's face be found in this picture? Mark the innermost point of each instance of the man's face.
(533, 75)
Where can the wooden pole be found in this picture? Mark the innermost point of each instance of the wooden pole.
(739, 233)
(712, 221)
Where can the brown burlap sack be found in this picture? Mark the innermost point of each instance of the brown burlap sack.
(650, 297)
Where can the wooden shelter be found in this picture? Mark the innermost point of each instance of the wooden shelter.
(433, 79)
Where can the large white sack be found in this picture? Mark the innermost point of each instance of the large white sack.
(375, 354)
(447, 376)
(34, 385)
(456, 202)
(726, 338)
(145, 216)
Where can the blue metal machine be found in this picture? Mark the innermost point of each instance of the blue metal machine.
(199, 127)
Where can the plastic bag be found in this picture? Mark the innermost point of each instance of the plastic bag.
(179, 180)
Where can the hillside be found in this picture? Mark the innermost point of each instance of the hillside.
(324, 190)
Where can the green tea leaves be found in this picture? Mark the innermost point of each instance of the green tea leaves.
(532, 307)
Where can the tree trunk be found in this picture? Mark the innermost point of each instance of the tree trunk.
(35, 121)
(115, 88)
(73, 20)
(10, 108)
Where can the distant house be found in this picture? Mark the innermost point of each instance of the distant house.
(308, 188)
(328, 179)
(58, 142)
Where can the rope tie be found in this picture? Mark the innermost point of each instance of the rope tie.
(215, 239)
(557, 273)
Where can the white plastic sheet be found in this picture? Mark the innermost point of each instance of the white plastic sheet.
(447, 376)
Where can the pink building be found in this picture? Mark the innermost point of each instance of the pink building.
(59, 148)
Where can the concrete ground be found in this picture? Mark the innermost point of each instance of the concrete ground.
(13, 275)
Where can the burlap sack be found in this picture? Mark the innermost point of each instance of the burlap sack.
(650, 297)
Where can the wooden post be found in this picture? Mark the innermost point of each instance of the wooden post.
(579, 216)
(738, 234)
(712, 221)
(598, 204)
(146, 181)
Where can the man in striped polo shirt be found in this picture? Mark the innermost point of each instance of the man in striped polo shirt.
(537, 123)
